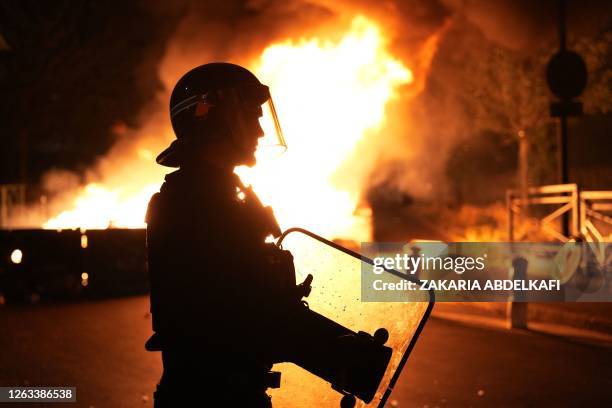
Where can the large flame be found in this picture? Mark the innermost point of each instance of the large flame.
(329, 95)
(99, 207)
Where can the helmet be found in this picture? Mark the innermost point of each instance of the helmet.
(219, 101)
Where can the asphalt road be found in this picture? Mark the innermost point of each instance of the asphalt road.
(98, 347)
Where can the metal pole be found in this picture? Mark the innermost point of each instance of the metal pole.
(516, 309)
(562, 7)
(562, 139)
(563, 168)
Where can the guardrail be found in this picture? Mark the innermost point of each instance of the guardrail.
(578, 208)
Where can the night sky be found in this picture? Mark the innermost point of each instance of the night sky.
(74, 74)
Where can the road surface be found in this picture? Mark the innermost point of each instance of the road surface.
(98, 346)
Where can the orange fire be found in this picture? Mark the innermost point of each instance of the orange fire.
(329, 95)
(99, 207)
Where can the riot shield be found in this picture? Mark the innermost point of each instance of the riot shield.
(336, 294)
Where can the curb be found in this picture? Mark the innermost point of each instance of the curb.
(562, 316)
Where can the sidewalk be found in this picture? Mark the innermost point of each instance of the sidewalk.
(590, 321)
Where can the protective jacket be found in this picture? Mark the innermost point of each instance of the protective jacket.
(217, 289)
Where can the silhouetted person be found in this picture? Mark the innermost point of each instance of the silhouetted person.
(216, 286)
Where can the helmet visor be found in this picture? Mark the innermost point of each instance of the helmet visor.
(272, 142)
(252, 112)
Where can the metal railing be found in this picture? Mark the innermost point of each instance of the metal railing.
(578, 208)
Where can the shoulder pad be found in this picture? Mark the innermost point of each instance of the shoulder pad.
(152, 207)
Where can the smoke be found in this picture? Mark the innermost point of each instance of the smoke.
(482, 73)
